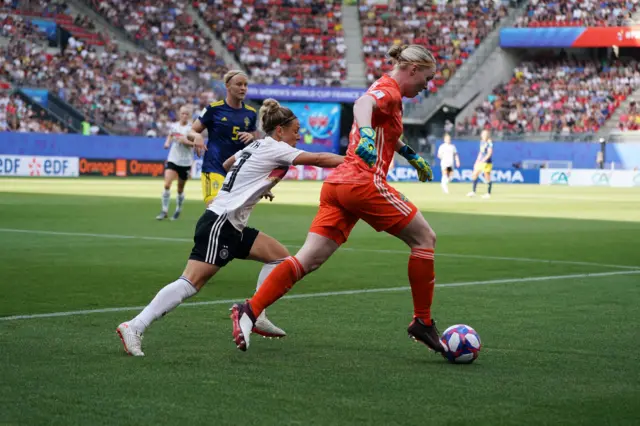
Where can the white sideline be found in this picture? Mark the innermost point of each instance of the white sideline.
(467, 256)
(329, 293)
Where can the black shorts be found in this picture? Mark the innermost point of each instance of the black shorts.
(217, 242)
(183, 171)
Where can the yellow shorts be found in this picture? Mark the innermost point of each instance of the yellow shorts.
(483, 167)
(211, 184)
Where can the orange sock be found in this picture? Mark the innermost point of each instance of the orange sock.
(422, 277)
(277, 284)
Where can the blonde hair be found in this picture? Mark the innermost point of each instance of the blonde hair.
(230, 74)
(412, 54)
(272, 115)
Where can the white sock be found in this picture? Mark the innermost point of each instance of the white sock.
(266, 270)
(179, 201)
(445, 183)
(166, 199)
(165, 301)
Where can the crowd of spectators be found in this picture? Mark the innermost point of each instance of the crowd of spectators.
(630, 119)
(131, 92)
(559, 96)
(18, 28)
(17, 116)
(48, 8)
(288, 42)
(452, 29)
(579, 13)
(168, 31)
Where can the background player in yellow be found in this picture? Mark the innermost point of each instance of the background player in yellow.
(484, 163)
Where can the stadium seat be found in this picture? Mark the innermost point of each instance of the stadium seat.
(561, 96)
(296, 43)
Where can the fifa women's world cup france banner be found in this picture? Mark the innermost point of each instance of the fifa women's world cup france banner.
(319, 125)
(570, 37)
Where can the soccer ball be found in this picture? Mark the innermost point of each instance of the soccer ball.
(461, 344)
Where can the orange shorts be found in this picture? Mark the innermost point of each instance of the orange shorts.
(375, 202)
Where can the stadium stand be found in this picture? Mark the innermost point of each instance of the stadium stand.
(81, 29)
(452, 30)
(17, 116)
(630, 119)
(288, 42)
(165, 29)
(19, 28)
(587, 13)
(563, 97)
(129, 93)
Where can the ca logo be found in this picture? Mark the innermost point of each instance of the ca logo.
(601, 179)
(560, 178)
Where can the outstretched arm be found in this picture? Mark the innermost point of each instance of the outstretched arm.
(323, 159)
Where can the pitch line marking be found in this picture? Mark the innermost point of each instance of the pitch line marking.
(185, 240)
(329, 294)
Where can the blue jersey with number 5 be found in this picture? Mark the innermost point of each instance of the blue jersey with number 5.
(223, 124)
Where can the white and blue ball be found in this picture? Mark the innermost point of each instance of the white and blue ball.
(461, 344)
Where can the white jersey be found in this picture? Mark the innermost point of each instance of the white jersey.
(257, 169)
(447, 154)
(180, 154)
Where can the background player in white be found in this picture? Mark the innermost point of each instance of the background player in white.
(179, 162)
(448, 156)
(251, 173)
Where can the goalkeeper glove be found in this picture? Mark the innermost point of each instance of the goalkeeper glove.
(420, 164)
(366, 148)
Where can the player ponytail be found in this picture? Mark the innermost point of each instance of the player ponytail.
(272, 115)
(412, 54)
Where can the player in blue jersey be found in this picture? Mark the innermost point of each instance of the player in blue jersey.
(484, 163)
(231, 124)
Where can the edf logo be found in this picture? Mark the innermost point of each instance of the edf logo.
(22, 165)
(49, 167)
(9, 166)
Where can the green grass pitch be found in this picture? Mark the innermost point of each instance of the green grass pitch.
(548, 276)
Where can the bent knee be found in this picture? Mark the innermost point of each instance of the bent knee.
(312, 263)
(426, 238)
(280, 252)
